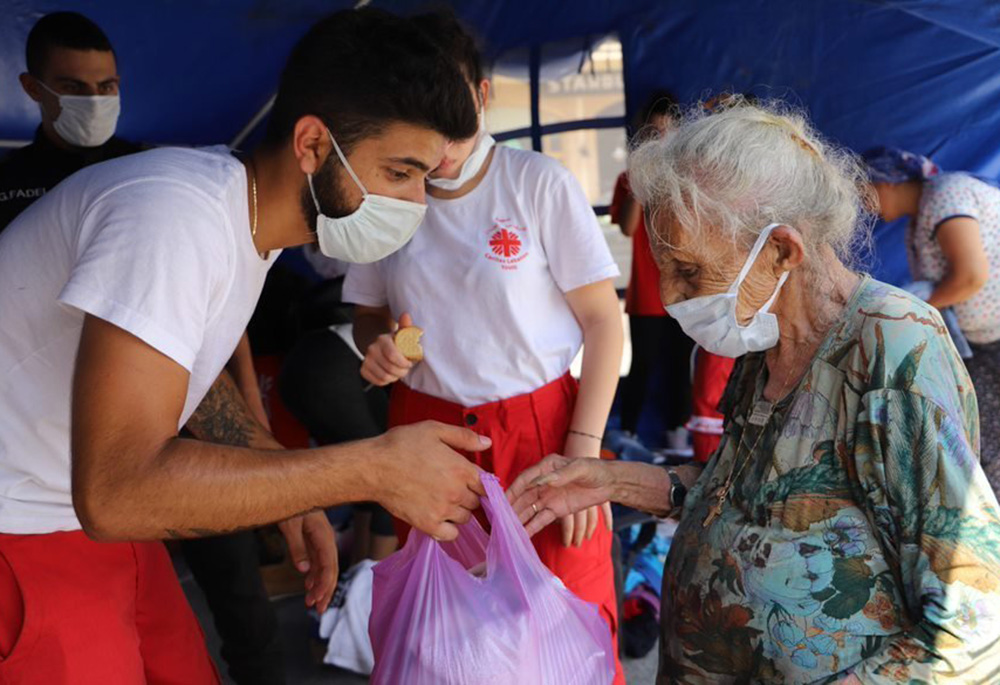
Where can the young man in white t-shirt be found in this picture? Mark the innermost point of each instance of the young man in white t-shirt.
(123, 293)
(508, 276)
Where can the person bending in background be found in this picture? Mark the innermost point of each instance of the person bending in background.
(509, 274)
(953, 241)
(656, 338)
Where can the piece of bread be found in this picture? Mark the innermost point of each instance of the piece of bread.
(408, 341)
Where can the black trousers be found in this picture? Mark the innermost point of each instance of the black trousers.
(227, 569)
(657, 342)
(321, 386)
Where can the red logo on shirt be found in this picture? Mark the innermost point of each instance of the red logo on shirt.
(506, 242)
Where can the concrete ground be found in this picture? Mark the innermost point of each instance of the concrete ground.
(303, 666)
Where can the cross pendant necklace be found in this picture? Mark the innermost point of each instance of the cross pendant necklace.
(715, 511)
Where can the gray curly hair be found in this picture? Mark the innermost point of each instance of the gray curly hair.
(750, 165)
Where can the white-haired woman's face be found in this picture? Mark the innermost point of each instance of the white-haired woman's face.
(709, 264)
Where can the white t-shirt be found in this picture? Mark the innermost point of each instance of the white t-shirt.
(485, 276)
(157, 243)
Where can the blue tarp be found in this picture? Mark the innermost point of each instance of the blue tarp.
(920, 74)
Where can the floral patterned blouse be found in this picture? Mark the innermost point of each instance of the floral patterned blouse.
(861, 537)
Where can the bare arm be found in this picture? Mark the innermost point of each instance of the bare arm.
(224, 418)
(596, 309)
(134, 478)
(558, 486)
(629, 215)
(968, 267)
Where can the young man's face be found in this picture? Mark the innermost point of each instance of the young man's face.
(393, 163)
(72, 72)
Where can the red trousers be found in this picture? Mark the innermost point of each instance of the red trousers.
(78, 612)
(524, 430)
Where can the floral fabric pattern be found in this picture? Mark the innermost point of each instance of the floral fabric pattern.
(861, 536)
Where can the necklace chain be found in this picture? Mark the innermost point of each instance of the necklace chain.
(723, 492)
(253, 185)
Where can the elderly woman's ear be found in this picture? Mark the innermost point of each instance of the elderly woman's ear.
(791, 249)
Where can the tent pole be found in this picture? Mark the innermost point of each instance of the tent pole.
(535, 67)
(249, 128)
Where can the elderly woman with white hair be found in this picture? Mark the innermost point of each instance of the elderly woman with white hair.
(844, 531)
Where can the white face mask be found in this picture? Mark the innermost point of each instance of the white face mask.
(376, 229)
(711, 320)
(473, 163)
(86, 120)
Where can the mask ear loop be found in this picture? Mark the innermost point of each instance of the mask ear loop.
(781, 281)
(312, 191)
(343, 160)
(752, 258)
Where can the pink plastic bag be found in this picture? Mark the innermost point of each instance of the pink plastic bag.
(435, 623)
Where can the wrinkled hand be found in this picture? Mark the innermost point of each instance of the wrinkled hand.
(559, 486)
(384, 363)
(578, 527)
(424, 481)
(312, 545)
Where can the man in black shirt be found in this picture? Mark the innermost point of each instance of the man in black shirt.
(73, 76)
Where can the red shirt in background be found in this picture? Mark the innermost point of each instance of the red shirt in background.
(642, 298)
(711, 375)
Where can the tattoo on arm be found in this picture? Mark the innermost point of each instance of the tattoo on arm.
(223, 416)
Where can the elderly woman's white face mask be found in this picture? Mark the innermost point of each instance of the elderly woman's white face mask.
(711, 320)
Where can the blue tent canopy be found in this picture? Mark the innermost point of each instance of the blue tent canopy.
(919, 74)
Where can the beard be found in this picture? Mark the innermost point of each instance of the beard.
(329, 192)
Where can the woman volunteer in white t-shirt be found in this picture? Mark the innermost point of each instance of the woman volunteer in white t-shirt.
(508, 275)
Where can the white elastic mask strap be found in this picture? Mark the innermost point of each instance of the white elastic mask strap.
(774, 296)
(312, 191)
(58, 95)
(343, 160)
(754, 252)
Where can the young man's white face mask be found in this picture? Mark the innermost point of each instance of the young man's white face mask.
(380, 226)
(86, 120)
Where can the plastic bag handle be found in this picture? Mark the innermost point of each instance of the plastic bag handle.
(508, 533)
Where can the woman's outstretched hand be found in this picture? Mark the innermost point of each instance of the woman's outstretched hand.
(559, 486)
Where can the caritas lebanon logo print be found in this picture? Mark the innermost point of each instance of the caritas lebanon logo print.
(506, 243)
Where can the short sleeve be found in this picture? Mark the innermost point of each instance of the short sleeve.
(365, 286)
(574, 245)
(949, 197)
(154, 255)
